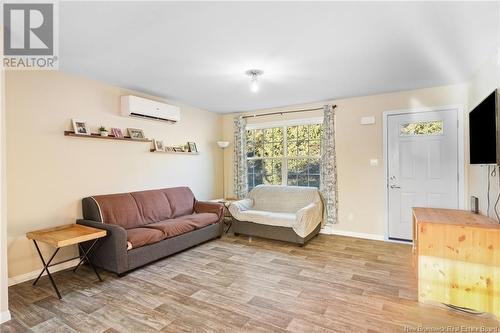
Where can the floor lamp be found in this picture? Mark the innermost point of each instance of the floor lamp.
(223, 145)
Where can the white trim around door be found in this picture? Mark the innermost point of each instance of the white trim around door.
(461, 154)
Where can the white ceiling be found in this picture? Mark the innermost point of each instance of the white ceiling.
(197, 53)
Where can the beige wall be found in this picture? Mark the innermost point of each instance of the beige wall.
(482, 84)
(361, 186)
(49, 173)
(4, 298)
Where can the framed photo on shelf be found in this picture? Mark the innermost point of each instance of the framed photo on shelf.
(159, 145)
(192, 147)
(80, 127)
(117, 133)
(136, 134)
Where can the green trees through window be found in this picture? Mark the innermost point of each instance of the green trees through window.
(422, 128)
(287, 155)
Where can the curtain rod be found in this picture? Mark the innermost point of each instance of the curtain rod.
(283, 112)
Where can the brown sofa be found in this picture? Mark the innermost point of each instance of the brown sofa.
(148, 225)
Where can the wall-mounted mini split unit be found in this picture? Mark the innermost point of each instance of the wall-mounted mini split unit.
(133, 106)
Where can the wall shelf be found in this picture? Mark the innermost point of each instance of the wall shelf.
(109, 137)
(175, 152)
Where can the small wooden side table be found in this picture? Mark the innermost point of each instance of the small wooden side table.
(62, 236)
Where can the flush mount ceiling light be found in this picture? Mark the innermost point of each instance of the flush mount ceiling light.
(254, 75)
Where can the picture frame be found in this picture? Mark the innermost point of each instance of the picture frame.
(192, 147)
(158, 145)
(136, 133)
(169, 149)
(80, 127)
(117, 133)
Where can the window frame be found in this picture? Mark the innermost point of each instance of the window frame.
(284, 124)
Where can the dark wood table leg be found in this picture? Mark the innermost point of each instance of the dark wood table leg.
(46, 268)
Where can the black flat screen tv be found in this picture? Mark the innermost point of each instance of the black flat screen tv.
(483, 135)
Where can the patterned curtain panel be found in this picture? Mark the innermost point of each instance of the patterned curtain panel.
(240, 158)
(328, 167)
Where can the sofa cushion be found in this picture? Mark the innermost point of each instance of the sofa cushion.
(200, 220)
(268, 218)
(143, 236)
(120, 209)
(153, 205)
(172, 228)
(184, 224)
(181, 201)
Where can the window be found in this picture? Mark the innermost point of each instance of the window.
(422, 128)
(287, 155)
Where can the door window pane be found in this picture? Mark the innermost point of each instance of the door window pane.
(422, 128)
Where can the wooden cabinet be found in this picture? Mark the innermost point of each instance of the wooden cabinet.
(458, 258)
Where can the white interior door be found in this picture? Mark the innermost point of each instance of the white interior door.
(422, 166)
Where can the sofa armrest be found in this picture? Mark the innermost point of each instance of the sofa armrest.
(209, 207)
(308, 218)
(239, 206)
(111, 252)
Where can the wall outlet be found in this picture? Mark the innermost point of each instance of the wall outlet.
(373, 162)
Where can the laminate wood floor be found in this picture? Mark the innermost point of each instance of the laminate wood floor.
(333, 284)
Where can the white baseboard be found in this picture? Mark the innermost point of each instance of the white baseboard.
(4, 316)
(327, 229)
(32, 275)
(359, 235)
(330, 230)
